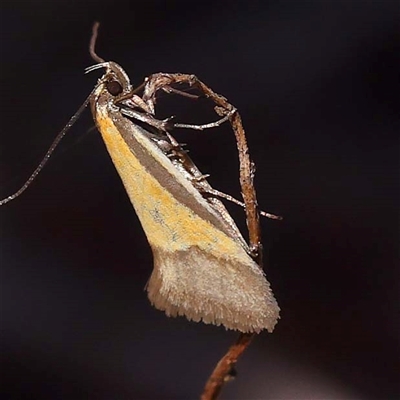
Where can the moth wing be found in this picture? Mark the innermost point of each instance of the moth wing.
(201, 268)
(228, 291)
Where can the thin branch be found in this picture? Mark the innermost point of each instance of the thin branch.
(223, 370)
(224, 367)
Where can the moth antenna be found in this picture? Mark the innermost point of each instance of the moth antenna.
(50, 151)
(92, 43)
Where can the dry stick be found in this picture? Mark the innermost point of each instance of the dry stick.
(225, 366)
(223, 370)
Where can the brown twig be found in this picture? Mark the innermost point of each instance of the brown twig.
(227, 363)
(223, 370)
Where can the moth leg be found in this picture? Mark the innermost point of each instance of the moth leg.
(136, 101)
(225, 196)
(206, 126)
(201, 178)
(169, 89)
(164, 82)
(162, 125)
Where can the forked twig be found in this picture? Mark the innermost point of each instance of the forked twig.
(223, 370)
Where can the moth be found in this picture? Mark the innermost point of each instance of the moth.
(202, 264)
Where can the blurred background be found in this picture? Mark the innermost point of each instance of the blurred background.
(317, 85)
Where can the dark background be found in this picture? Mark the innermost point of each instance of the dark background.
(316, 83)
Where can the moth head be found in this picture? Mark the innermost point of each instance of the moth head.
(115, 80)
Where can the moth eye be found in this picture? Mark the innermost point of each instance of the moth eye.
(114, 88)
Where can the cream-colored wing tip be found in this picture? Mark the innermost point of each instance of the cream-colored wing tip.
(224, 304)
(217, 315)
